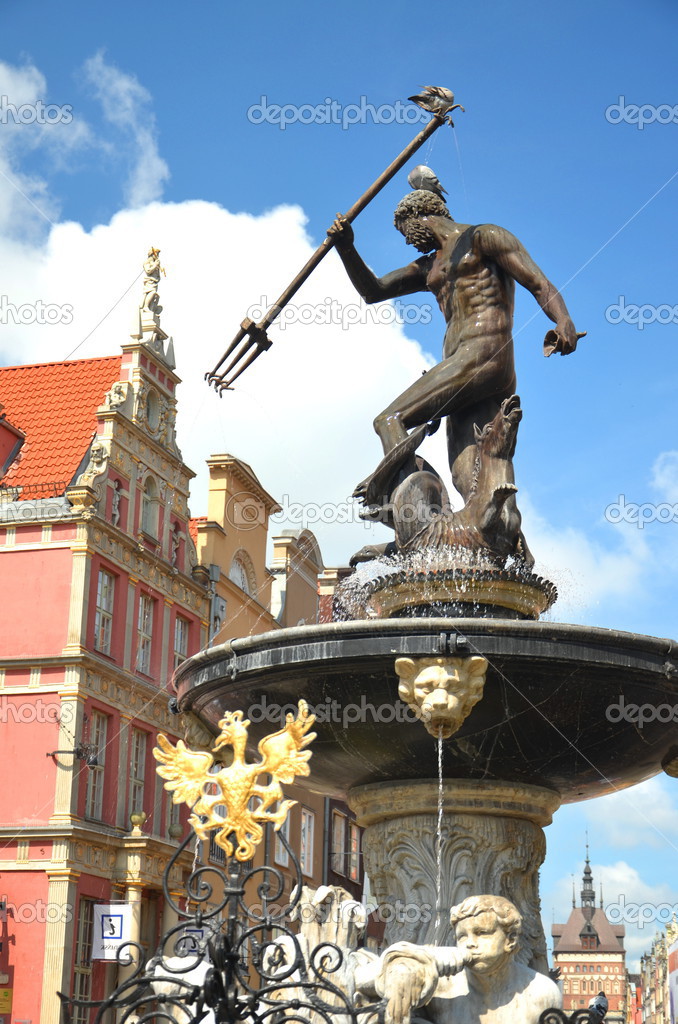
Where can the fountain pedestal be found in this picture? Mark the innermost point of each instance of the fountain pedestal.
(492, 842)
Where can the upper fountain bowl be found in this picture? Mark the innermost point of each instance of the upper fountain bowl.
(579, 710)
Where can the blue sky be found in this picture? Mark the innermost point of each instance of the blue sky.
(160, 150)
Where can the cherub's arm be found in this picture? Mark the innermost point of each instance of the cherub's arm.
(505, 249)
(404, 281)
(407, 976)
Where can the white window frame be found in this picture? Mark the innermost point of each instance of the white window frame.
(280, 854)
(137, 769)
(94, 796)
(353, 851)
(306, 845)
(145, 619)
(173, 816)
(82, 967)
(149, 508)
(181, 634)
(103, 619)
(338, 858)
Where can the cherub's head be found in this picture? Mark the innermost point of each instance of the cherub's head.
(487, 927)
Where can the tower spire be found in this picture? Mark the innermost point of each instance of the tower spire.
(588, 895)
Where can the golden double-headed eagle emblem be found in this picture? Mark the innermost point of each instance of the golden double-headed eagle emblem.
(248, 805)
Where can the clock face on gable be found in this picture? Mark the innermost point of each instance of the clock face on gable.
(239, 575)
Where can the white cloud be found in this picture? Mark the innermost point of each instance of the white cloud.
(653, 809)
(28, 122)
(586, 573)
(127, 105)
(665, 475)
(301, 416)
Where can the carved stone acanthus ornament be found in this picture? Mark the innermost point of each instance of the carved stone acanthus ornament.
(441, 691)
(491, 842)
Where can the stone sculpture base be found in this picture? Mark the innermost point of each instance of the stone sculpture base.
(492, 842)
(450, 582)
(488, 594)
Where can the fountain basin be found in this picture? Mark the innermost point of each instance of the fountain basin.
(587, 680)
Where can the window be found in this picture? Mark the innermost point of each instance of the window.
(94, 797)
(103, 619)
(307, 836)
(137, 770)
(354, 853)
(280, 854)
(338, 843)
(241, 574)
(149, 507)
(145, 633)
(180, 640)
(82, 970)
(173, 817)
(598, 968)
(216, 853)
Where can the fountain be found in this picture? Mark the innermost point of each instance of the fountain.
(452, 720)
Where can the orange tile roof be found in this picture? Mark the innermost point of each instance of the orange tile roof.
(54, 404)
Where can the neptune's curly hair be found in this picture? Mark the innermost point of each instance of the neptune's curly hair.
(419, 203)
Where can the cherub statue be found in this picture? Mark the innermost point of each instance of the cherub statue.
(479, 979)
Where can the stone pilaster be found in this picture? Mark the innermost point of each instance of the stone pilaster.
(121, 819)
(130, 624)
(70, 729)
(492, 843)
(133, 894)
(60, 930)
(76, 640)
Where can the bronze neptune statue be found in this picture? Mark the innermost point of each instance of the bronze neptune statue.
(471, 270)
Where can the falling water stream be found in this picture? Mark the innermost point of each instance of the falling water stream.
(439, 837)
